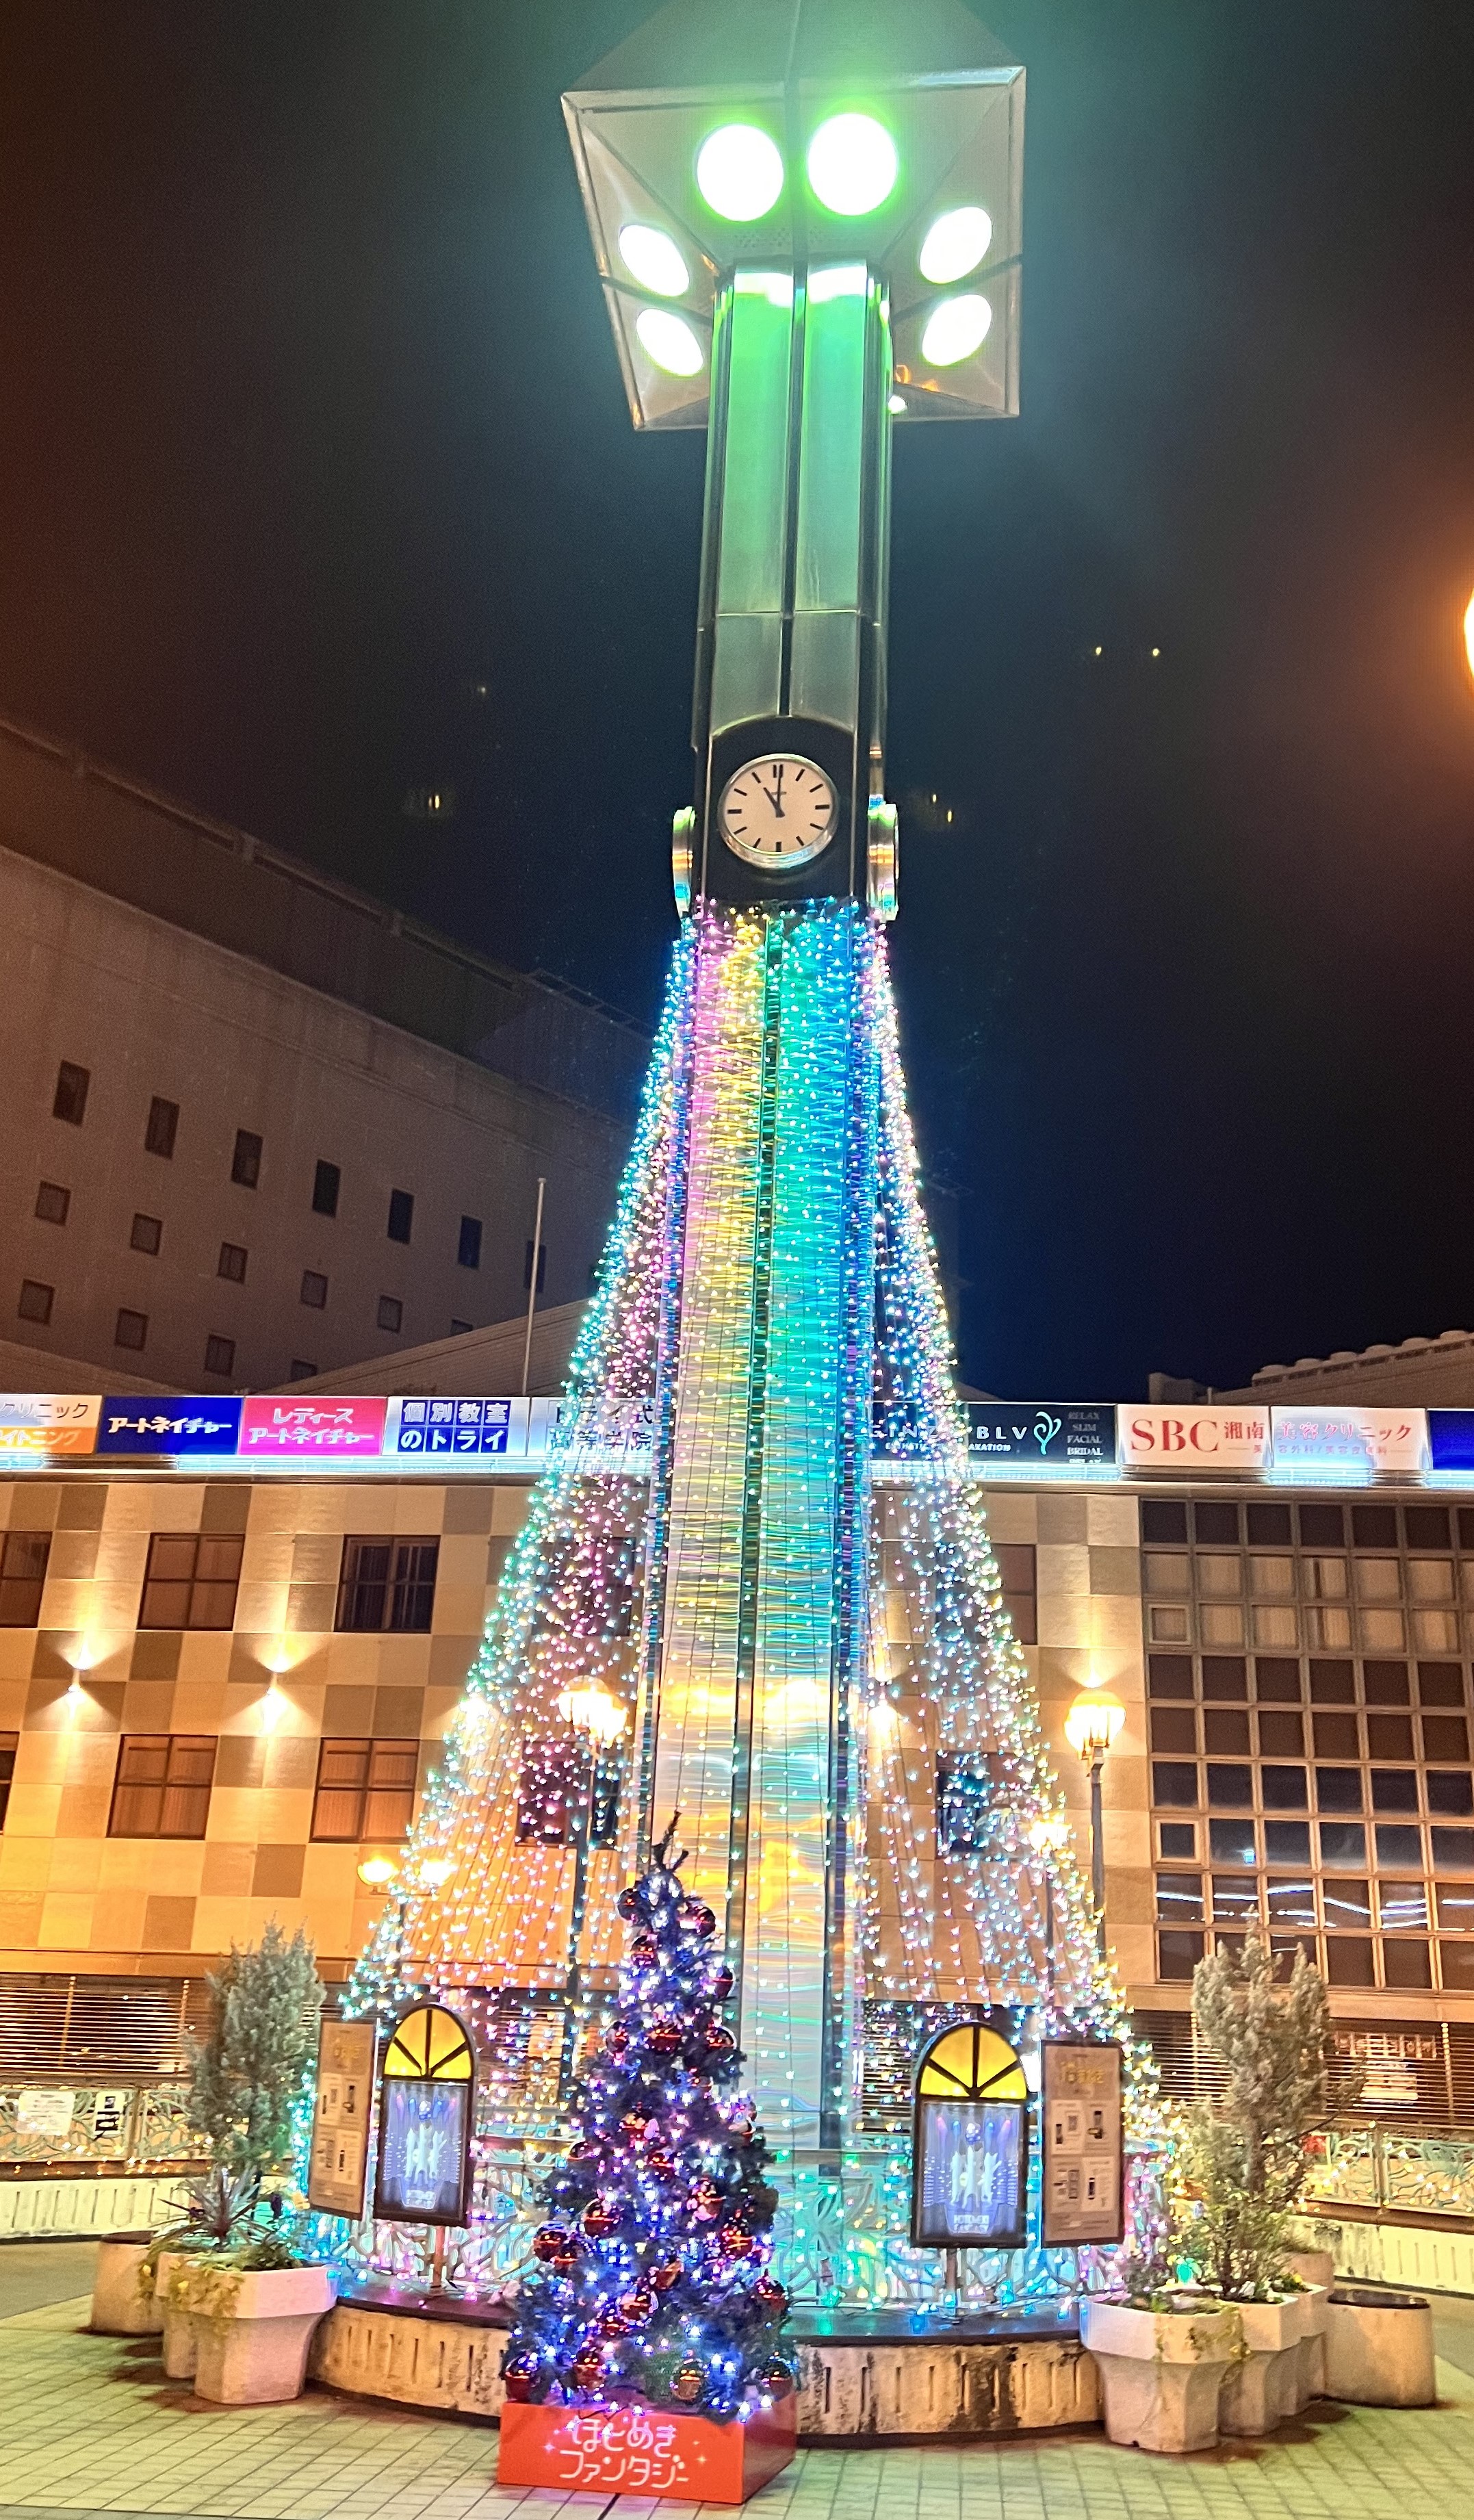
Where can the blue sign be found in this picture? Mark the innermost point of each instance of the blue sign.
(1450, 1438)
(457, 1426)
(1081, 1434)
(168, 1426)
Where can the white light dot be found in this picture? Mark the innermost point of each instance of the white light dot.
(739, 171)
(669, 340)
(954, 244)
(955, 330)
(654, 259)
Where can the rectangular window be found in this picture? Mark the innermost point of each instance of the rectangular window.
(387, 1584)
(9, 1744)
(164, 1785)
(70, 1101)
(401, 1215)
(190, 1579)
(365, 1790)
(314, 1289)
(22, 1575)
(35, 1301)
(131, 1329)
(1343, 1844)
(542, 1267)
(231, 1263)
(390, 1312)
(966, 1801)
(468, 1248)
(1172, 1786)
(220, 1355)
(51, 1203)
(327, 1182)
(163, 1121)
(1016, 1566)
(554, 1777)
(245, 1162)
(147, 1235)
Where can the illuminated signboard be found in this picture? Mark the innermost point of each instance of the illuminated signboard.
(130, 1425)
(1337, 1440)
(971, 2150)
(1451, 1439)
(427, 2105)
(1080, 2116)
(44, 1426)
(1194, 1439)
(1071, 1435)
(315, 1426)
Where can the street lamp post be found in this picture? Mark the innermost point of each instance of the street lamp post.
(1089, 1728)
(1047, 1834)
(597, 1720)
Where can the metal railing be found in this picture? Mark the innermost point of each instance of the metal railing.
(1391, 2169)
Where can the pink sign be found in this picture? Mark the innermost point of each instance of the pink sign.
(314, 1424)
(1364, 1439)
(1194, 1439)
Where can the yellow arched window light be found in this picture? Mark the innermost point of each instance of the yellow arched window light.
(970, 2062)
(429, 2045)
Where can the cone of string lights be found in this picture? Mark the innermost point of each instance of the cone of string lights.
(652, 2279)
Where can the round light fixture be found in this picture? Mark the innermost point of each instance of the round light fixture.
(954, 244)
(1092, 1721)
(955, 330)
(739, 171)
(376, 1872)
(669, 340)
(655, 260)
(852, 165)
(591, 1709)
(436, 1870)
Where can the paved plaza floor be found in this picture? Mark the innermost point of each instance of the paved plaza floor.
(88, 2424)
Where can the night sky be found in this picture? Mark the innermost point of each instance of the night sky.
(317, 488)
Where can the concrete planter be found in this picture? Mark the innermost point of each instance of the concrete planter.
(1161, 2371)
(1379, 2348)
(1263, 2387)
(252, 2332)
(119, 2307)
(179, 2350)
(1316, 2270)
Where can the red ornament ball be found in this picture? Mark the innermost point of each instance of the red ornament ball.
(700, 1918)
(567, 2262)
(520, 2376)
(736, 2240)
(587, 2370)
(688, 2382)
(770, 2295)
(636, 2307)
(705, 2201)
(616, 2045)
(665, 2037)
(660, 2163)
(719, 2040)
(628, 1904)
(582, 2150)
(613, 2324)
(549, 2244)
(602, 2217)
(645, 1950)
(666, 2274)
(725, 1982)
(778, 2377)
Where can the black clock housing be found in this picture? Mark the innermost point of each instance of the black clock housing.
(831, 876)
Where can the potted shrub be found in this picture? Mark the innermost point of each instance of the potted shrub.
(1243, 2163)
(239, 2306)
(1161, 2351)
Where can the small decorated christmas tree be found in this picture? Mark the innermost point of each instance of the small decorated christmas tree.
(653, 2279)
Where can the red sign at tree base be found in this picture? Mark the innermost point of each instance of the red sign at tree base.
(645, 2449)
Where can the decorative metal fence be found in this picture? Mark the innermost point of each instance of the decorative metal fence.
(1393, 2169)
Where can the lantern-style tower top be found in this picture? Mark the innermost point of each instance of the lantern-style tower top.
(783, 133)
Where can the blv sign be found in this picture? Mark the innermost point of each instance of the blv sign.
(1194, 1439)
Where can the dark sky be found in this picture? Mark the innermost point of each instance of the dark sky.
(310, 423)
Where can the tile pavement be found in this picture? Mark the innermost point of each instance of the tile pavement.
(88, 2425)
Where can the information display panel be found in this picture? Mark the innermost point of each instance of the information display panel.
(338, 2164)
(1082, 2113)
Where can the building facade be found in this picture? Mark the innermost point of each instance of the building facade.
(297, 1133)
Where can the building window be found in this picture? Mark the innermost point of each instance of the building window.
(147, 1233)
(327, 1182)
(468, 1248)
(9, 1744)
(231, 1263)
(71, 1093)
(51, 1203)
(401, 1215)
(554, 1780)
(390, 1312)
(23, 1574)
(245, 1162)
(302, 1370)
(36, 1300)
(131, 1328)
(190, 1579)
(365, 1791)
(967, 1795)
(220, 1355)
(163, 1786)
(163, 1121)
(387, 1583)
(542, 1267)
(314, 1289)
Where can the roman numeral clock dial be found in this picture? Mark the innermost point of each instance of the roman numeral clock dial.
(779, 812)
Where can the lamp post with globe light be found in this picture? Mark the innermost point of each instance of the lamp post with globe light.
(1089, 1728)
(596, 1721)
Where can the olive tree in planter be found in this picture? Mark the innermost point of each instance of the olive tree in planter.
(1161, 2351)
(1243, 2162)
(238, 2307)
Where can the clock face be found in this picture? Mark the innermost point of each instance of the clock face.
(778, 811)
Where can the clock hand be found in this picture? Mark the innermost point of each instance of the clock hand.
(778, 800)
